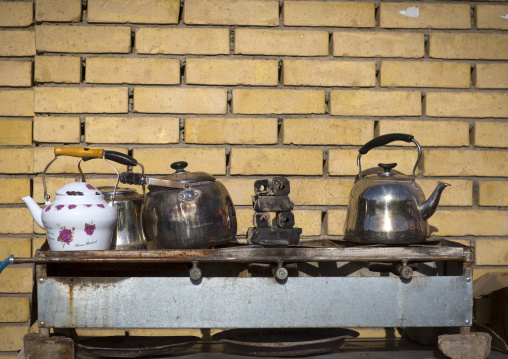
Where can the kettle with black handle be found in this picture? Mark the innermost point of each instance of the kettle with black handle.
(386, 206)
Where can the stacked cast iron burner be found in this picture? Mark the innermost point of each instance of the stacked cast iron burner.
(273, 196)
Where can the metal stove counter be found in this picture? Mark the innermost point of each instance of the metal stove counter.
(153, 289)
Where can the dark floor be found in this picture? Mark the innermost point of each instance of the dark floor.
(351, 349)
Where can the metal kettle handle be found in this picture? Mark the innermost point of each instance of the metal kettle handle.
(82, 152)
(384, 140)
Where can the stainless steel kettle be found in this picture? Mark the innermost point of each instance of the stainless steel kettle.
(386, 206)
(128, 234)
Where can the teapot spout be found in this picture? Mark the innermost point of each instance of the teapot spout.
(35, 210)
(430, 205)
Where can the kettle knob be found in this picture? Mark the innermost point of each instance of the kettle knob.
(179, 166)
(387, 166)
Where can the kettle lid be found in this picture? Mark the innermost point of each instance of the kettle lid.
(81, 189)
(181, 175)
(122, 193)
(384, 172)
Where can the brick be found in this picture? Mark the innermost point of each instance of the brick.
(493, 76)
(329, 73)
(192, 41)
(15, 132)
(20, 247)
(231, 12)
(320, 192)
(240, 189)
(308, 220)
(378, 44)
(481, 271)
(16, 73)
(180, 100)
(57, 10)
(81, 100)
(493, 193)
(134, 11)
(466, 104)
(132, 130)
(465, 222)
(468, 46)
(425, 74)
(375, 103)
(16, 102)
(421, 15)
(83, 39)
(491, 134)
(465, 163)
(16, 14)
(322, 13)
(166, 332)
(428, 133)
(67, 164)
(85, 332)
(493, 252)
(17, 43)
(460, 193)
(243, 131)
(15, 279)
(61, 69)
(491, 17)
(326, 131)
(11, 337)
(57, 129)
(281, 42)
(343, 162)
(232, 72)
(334, 222)
(16, 160)
(37, 244)
(14, 309)
(269, 161)
(15, 220)
(114, 70)
(13, 189)
(159, 160)
(247, 101)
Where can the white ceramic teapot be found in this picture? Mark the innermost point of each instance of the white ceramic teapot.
(79, 218)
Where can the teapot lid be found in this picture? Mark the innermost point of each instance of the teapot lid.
(78, 189)
(181, 175)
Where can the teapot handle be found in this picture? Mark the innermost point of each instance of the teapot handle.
(83, 152)
(384, 140)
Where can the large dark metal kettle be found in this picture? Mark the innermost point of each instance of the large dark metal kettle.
(185, 210)
(386, 206)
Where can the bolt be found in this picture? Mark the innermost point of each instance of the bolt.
(42, 322)
(406, 272)
(195, 273)
(468, 279)
(467, 321)
(41, 280)
(281, 273)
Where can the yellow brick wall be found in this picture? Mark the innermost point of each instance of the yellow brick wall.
(247, 89)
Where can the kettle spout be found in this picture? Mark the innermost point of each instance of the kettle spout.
(430, 205)
(35, 210)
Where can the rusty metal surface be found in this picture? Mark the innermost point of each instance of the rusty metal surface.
(258, 254)
(56, 347)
